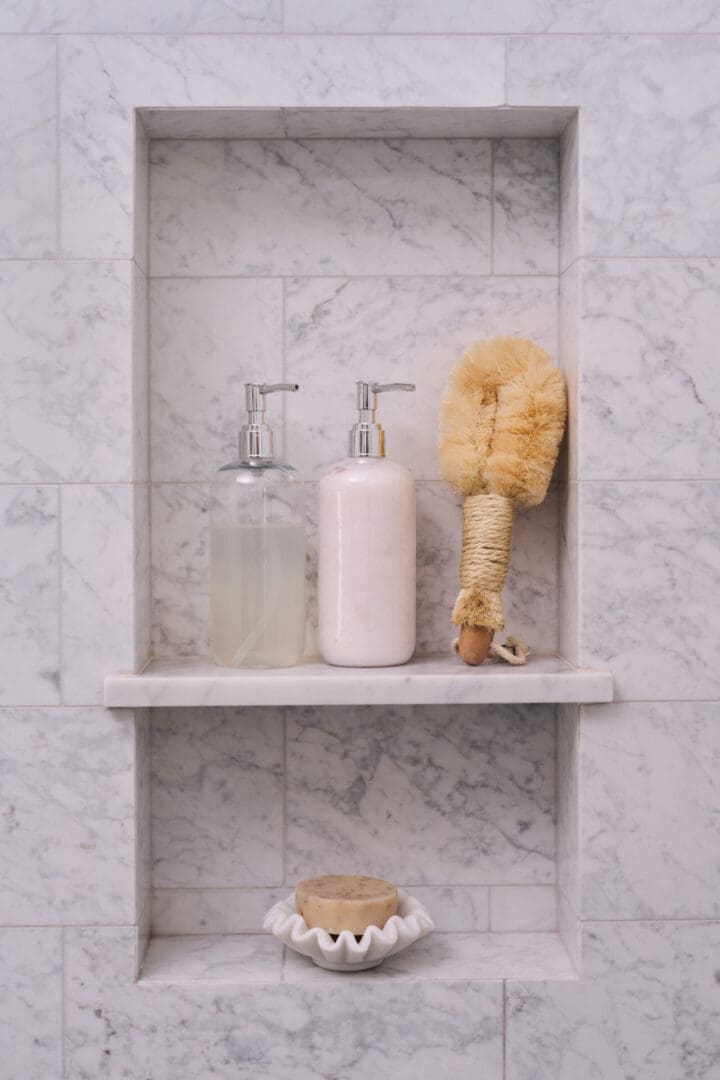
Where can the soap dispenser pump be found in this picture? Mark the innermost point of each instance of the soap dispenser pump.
(366, 548)
(257, 549)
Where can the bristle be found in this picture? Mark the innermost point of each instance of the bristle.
(502, 417)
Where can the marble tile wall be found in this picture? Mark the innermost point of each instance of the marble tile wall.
(259, 271)
(459, 806)
(641, 274)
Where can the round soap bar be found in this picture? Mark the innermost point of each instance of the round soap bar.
(345, 902)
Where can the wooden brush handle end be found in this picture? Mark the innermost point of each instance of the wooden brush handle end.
(474, 644)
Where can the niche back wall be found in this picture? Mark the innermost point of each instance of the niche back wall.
(324, 261)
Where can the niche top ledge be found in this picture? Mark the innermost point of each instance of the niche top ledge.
(433, 680)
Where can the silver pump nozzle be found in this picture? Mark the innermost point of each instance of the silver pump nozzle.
(367, 439)
(256, 437)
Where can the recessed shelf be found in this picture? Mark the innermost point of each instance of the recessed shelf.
(435, 680)
(236, 959)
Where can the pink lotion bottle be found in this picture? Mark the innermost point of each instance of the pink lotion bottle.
(366, 541)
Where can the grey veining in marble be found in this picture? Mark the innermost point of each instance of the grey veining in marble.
(511, 17)
(217, 803)
(523, 908)
(425, 680)
(67, 824)
(138, 17)
(143, 831)
(264, 122)
(530, 593)
(569, 811)
(650, 329)
(291, 207)
(140, 376)
(212, 911)
(104, 77)
(208, 339)
(29, 624)
(142, 599)
(220, 958)
(647, 1008)
(650, 587)
(651, 789)
(401, 1031)
(469, 958)
(65, 409)
(98, 618)
(28, 119)
(526, 205)
(648, 167)
(180, 561)
(570, 193)
(423, 795)
(339, 330)
(31, 995)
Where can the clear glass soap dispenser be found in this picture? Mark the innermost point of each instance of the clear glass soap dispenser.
(257, 550)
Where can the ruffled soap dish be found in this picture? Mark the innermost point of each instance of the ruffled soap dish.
(345, 952)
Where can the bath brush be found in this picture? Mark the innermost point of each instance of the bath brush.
(502, 418)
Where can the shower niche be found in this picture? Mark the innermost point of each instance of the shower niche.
(324, 246)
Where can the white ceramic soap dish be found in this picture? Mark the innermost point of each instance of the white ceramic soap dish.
(345, 953)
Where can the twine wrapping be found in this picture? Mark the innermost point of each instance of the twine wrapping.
(487, 529)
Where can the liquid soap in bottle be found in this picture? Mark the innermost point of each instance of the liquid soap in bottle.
(366, 541)
(257, 550)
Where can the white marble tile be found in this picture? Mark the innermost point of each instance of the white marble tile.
(424, 795)
(650, 328)
(208, 339)
(31, 1013)
(320, 206)
(568, 827)
(143, 830)
(241, 911)
(568, 575)
(219, 958)
(335, 1030)
(530, 593)
(526, 206)
(180, 536)
(212, 911)
(424, 680)
(650, 586)
(217, 797)
(651, 792)
(470, 958)
(142, 598)
(214, 123)
(648, 169)
(65, 334)
(494, 17)
(455, 908)
(139, 17)
(68, 793)
(523, 908)
(30, 610)
(141, 197)
(646, 1008)
(28, 117)
(570, 193)
(105, 77)
(465, 122)
(140, 376)
(569, 361)
(394, 329)
(98, 618)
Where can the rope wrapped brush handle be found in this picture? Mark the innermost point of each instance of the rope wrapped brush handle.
(502, 419)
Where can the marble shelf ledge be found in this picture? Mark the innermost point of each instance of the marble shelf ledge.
(243, 959)
(424, 681)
